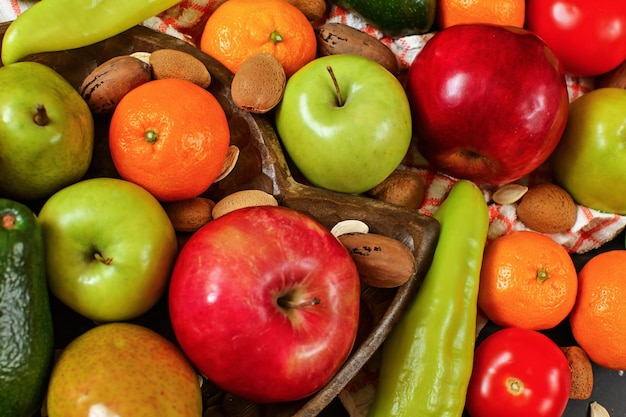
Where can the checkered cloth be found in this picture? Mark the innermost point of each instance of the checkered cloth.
(592, 228)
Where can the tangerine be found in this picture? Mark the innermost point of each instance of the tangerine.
(499, 12)
(238, 29)
(598, 319)
(171, 137)
(527, 280)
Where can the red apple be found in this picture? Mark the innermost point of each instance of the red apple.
(264, 301)
(489, 102)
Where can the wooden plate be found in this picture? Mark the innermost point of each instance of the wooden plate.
(262, 165)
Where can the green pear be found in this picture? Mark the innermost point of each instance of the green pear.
(123, 369)
(46, 132)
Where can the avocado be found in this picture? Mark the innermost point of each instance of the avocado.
(26, 333)
(395, 17)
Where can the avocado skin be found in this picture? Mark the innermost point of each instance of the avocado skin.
(395, 17)
(26, 333)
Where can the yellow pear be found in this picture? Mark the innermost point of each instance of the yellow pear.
(122, 370)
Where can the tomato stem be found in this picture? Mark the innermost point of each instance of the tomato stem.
(332, 75)
(514, 385)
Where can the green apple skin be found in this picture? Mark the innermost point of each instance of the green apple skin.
(110, 248)
(38, 160)
(590, 159)
(348, 148)
(123, 369)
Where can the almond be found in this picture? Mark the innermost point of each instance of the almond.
(241, 199)
(259, 83)
(172, 63)
(597, 410)
(401, 188)
(142, 55)
(232, 156)
(105, 86)
(189, 215)
(382, 261)
(509, 193)
(312, 9)
(547, 208)
(581, 370)
(349, 226)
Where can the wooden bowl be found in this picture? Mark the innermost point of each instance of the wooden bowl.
(262, 165)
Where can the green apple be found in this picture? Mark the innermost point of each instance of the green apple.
(123, 369)
(346, 136)
(46, 132)
(110, 248)
(590, 159)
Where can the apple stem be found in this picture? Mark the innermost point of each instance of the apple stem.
(286, 302)
(100, 258)
(8, 221)
(41, 117)
(332, 75)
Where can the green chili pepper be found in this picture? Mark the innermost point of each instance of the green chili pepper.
(427, 358)
(57, 25)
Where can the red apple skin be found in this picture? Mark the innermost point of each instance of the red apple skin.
(489, 103)
(225, 312)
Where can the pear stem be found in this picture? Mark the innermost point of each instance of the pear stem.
(332, 75)
(41, 117)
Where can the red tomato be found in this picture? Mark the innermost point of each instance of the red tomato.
(588, 37)
(518, 373)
